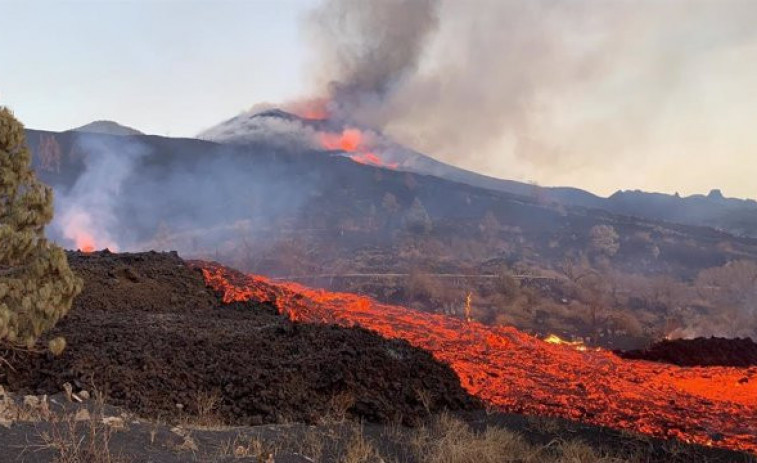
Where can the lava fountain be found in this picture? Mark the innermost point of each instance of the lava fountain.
(356, 144)
(519, 373)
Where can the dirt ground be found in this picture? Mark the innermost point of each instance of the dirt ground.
(148, 334)
(58, 430)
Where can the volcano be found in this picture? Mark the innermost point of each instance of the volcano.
(734, 215)
(314, 209)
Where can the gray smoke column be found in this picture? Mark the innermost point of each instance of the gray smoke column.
(366, 49)
(602, 95)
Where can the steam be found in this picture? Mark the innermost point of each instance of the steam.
(86, 214)
(199, 198)
(600, 95)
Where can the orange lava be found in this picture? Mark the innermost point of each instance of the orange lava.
(349, 140)
(85, 243)
(353, 141)
(519, 373)
(372, 160)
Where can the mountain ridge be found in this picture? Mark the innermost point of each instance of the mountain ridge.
(736, 216)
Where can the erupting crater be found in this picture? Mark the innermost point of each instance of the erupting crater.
(516, 372)
(353, 142)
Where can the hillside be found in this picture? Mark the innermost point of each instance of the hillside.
(107, 128)
(316, 216)
(736, 216)
(159, 367)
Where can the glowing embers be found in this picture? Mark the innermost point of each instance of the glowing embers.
(519, 373)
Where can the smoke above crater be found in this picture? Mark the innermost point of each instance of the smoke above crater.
(601, 95)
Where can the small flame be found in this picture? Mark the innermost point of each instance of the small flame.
(85, 244)
(80, 227)
(468, 298)
(555, 339)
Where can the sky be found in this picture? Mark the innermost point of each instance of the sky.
(166, 67)
(599, 94)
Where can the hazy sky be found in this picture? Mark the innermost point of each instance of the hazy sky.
(600, 94)
(162, 66)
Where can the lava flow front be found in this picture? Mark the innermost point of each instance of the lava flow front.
(516, 372)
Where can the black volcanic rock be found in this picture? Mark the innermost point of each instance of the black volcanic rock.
(147, 333)
(704, 352)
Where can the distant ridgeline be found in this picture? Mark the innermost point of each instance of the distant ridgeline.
(155, 192)
(735, 216)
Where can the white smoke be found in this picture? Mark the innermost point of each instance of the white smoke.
(86, 214)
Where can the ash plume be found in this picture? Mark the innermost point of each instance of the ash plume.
(365, 51)
(563, 92)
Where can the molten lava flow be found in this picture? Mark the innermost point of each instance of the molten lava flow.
(372, 160)
(519, 373)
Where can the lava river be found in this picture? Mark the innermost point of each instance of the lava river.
(519, 373)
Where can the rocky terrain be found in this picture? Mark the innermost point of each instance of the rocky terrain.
(148, 334)
(703, 352)
(159, 370)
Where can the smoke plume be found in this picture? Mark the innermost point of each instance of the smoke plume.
(366, 51)
(86, 214)
(600, 95)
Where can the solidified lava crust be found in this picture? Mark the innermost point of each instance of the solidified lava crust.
(699, 352)
(148, 333)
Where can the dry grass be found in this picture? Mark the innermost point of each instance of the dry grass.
(206, 414)
(449, 440)
(249, 447)
(339, 406)
(544, 424)
(79, 437)
(311, 445)
(360, 450)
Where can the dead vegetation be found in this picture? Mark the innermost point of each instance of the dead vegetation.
(76, 435)
(60, 431)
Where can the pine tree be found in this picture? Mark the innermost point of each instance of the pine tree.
(37, 286)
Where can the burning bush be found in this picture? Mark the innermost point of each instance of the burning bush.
(37, 286)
